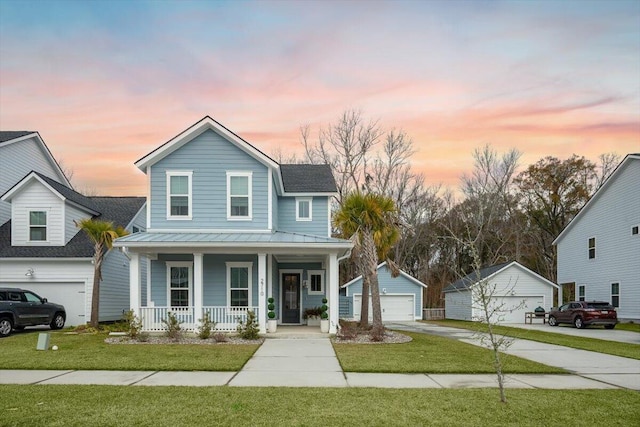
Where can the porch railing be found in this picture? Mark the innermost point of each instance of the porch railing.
(226, 318)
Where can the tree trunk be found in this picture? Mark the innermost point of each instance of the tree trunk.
(370, 264)
(97, 278)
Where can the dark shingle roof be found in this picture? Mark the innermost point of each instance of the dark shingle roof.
(472, 278)
(69, 194)
(8, 135)
(119, 210)
(308, 179)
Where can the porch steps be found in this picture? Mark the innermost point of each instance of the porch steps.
(297, 332)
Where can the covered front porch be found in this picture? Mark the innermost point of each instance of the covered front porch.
(190, 279)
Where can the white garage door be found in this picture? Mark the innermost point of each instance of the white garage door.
(515, 307)
(70, 295)
(394, 307)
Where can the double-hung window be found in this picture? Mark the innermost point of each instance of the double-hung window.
(582, 293)
(179, 195)
(615, 294)
(316, 282)
(239, 195)
(303, 208)
(38, 226)
(180, 280)
(239, 284)
(592, 248)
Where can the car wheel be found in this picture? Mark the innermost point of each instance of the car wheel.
(5, 326)
(609, 326)
(57, 322)
(578, 323)
(553, 321)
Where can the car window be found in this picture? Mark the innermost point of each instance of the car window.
(564, 307)
(32, 297)
(3, 296)
(575, 305)
(600, 305)
(15, 296)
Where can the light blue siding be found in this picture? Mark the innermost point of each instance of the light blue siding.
(306, 300)
(287, 216)
(274, 203)
(114, 288)
(209, 156)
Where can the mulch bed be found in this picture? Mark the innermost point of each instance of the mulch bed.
(159, 339)
(363, 337)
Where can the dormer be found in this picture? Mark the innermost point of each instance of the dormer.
(43, 211)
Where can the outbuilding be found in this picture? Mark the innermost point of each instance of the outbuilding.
(515, 290)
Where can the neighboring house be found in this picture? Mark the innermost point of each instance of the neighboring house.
(20, 153)
(517, 290)
(400, 297)
(229, 227)
(599, 251)
(42, 250)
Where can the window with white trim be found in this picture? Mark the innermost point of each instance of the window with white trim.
(316, 282)
(239, 283)
(582, 293)
(304, 206)
(615, 294)
(179, 195)
(179, 284)
(592, 248)
(239, 195)
(37, 226)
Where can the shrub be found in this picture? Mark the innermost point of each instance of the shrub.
(347, 331)
(143, 337)
(220, 337)
(271, 314)
(323, 309)
(134, 324)
(206, 325)
(377, 334)
(172, 326)
(312, 312)
(248, 329)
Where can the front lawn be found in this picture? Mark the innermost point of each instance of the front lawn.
(53, 405)
(429, 354)
(89, 351)
(614, 348)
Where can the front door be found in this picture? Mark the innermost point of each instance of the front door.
(290, 297)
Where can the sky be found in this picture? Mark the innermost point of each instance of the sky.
(106, 82)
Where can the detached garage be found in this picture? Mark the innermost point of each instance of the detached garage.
(400, 297)
(517, 290)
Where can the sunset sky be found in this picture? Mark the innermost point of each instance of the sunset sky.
(106, 82)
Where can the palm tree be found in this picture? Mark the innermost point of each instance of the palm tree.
(102, 234)
(369, 220)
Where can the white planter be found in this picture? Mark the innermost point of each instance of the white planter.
(313, 321)
(272, 325)
(324, 326)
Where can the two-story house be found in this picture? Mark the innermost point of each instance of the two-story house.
(227, 228)
(599, 251)
(41, 249)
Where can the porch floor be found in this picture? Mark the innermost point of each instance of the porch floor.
(297, 332)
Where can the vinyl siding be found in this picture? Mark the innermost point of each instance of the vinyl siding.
(72, 214)
(397, 285)
(114, 288)
(287, 216)
(16, 161)
(35, 197)
(609, 219)
(209, 156)
(458, 305)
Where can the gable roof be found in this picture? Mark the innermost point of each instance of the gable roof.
(402, 273)
(62, 191)
(618, 170)
(206, 123)
(486, 273)
(301, 178)
(119, 210)
(12, 137)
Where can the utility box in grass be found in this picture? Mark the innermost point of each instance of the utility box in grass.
(43, 341)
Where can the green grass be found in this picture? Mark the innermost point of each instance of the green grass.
(631, 327)
(89, 351)
(53, 405)
(429, 354)
(601, 346)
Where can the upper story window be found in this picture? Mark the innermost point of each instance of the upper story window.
(581, 292)
(316, 282)
(615, 294)
(239, 284)
(303, 208)
(634, 230)
(592, 248)
(239, 195)
(37, 226)
(179, 195)
(180, 280)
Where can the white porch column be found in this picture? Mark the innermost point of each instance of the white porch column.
(269, 277)
(197, 287)
(333, 292)
(134, 282)
(262, 299)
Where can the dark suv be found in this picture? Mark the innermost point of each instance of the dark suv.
(20, 308)
(584, 313)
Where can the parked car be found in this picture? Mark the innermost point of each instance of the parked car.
(584, 313)
(20, 308)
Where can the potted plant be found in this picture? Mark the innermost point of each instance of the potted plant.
(272, 323)
(324, 317)
(312, 316)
